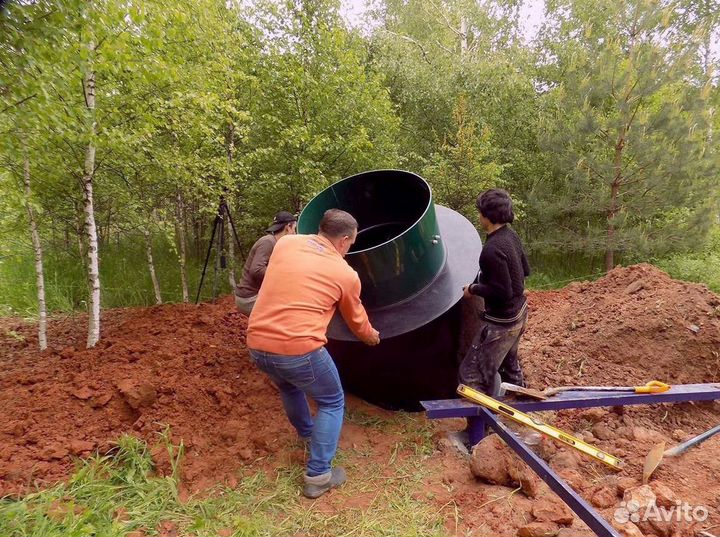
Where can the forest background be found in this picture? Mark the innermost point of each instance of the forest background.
(122, 123)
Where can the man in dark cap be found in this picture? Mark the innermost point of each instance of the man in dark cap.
(256, 264)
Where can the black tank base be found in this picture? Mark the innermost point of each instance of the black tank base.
(402, 371)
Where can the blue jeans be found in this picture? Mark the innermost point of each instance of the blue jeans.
(313, 375)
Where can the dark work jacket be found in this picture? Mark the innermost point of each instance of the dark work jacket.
(255, 266)
(501, 280)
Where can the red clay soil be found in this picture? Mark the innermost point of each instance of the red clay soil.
(179, 365)
(187, 367)
(634, 325)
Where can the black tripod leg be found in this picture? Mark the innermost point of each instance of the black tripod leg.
(232, 226)
(207, 258)
(218, 258)
(221, 249)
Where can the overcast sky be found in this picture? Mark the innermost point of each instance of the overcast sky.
(531, 14)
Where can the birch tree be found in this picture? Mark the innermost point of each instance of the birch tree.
(180, 237)
(24, 108)
(37, 248)
(93, 270)
(151, 265)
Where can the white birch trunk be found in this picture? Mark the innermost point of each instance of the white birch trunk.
(151, 266)
(180, 232)
(90, 228)
(79, 235)
(39, 273)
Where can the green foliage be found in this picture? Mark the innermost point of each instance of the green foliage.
(126, 280)
(627, 130)
(554, 270)
(699, 268)
(702, 266)
(321, 115)
(603, 130)
(460, 169)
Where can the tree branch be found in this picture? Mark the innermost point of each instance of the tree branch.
(443, 47)
(413, 41)
(18, 103)
(447, 22)
(593, 171)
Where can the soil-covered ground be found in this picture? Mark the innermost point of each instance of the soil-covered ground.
(186, 367)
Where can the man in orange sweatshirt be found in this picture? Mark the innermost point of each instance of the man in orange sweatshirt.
(306, 280)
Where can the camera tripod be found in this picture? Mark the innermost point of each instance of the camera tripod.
(220, 260)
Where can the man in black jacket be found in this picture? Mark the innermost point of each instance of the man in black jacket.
(493, 355)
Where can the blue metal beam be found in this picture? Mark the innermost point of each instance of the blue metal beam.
(479, 417)
(460, 408)
(587, 514)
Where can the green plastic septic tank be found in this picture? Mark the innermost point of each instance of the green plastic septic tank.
(398, 251)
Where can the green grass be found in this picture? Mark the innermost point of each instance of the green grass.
(124, 279)
(103, 488)
(553, 271)
(87, 504)
(699, 268)
(703, 267)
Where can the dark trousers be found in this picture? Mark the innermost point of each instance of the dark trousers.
(493, 357)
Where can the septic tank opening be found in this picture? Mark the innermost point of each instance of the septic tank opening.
(386, 203)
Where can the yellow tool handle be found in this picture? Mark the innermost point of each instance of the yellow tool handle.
(548, 430)
(654, 386)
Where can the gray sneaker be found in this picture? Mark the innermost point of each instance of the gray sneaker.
(318, 485)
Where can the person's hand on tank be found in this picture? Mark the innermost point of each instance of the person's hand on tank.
(374, 338)
(466, 291)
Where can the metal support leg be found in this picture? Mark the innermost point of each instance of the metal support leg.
(587, 514)
(479, 417)
(476, 428)
(207, 258)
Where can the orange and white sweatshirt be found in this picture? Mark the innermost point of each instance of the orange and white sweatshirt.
(306, 280)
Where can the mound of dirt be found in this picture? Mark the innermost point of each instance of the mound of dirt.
(186, 367)
(634, 325)
(179, 365)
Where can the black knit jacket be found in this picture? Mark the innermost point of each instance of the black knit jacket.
(503, 269)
